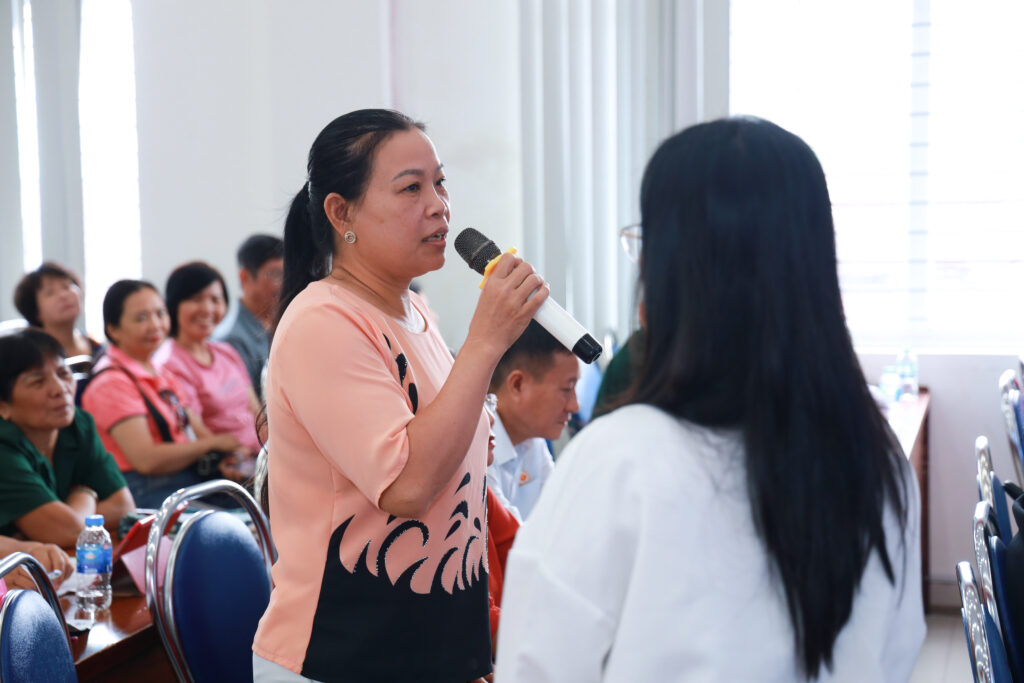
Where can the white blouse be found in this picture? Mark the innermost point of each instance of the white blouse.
(640, 563)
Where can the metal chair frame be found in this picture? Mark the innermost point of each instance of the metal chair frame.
(159, 593)
(984, 526)
(42, 581)
(985, 470)
(974, 624)
(76, 364)
(1010, 398)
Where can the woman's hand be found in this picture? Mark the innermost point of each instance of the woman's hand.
(237, 467)
(442, 431)
(511, 295)
(51, 557)
(225, 443)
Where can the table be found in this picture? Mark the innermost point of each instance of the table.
(909, 420)
(122, 644)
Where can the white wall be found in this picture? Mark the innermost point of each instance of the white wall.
(231, 94)
(456, 69)
(964, 405)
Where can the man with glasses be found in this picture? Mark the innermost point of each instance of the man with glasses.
(246, 326)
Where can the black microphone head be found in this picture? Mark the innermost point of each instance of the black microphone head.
(476, 249)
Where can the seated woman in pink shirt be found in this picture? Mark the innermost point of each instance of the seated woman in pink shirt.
(142, 421)
(211, 374)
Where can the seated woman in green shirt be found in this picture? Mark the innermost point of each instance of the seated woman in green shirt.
(54, 470)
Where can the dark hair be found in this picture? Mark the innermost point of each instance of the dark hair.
(186, 281)
(532, 352)
(745, 329)
(257, 250)
(27, 292)
(340, 161)
(113, 302)
(26, 349)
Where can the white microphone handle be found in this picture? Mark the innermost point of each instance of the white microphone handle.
(559, 323)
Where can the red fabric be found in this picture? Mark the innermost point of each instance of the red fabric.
(501, 531)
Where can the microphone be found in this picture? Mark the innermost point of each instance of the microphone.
(477, 250)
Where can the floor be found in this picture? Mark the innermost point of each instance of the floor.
(944, 656)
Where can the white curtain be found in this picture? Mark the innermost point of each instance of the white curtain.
(602, 83)
(41, 150)
(10, 184)
(57, 27)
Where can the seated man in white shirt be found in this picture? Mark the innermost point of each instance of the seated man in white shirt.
(535, 382)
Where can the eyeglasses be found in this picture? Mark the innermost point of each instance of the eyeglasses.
(631, 238)
(491, 404)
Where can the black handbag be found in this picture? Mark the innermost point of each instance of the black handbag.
(207, 466)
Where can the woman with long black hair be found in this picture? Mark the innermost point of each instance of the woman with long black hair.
(748, 515)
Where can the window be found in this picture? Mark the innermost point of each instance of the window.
(914, 110)
(28, 134)
(110, 159)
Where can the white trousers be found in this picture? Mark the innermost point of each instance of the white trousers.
(266, 671)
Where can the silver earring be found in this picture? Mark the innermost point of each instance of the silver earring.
(350, 237)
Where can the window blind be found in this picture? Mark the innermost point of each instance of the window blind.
(915, 111)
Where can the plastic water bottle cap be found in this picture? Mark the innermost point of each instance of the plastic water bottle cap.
(94, 520)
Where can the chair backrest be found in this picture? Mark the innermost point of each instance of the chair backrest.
(1000, 585)
(218, 589)
(999, 495)
(34, 643)
(990, 488)
(988, 659)
(12, 325)
(1010, 402)
(215, 587)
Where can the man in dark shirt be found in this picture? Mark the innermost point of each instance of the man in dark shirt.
(246, 326)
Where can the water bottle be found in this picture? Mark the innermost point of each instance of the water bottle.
(907, 364)
(94, 557)
(889, 384)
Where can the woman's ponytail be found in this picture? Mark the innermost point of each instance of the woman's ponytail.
(307, 252)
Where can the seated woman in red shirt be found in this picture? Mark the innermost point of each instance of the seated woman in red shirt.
(211, 374)
(153, 437)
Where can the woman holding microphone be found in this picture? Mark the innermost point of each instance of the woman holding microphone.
(377, 439)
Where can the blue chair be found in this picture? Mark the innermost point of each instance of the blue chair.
(988, 659)
(208, 600)
(990, 488)
(34, 643)
(1013, 414)
(1011, 638)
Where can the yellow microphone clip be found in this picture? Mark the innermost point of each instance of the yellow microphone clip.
(493, 262)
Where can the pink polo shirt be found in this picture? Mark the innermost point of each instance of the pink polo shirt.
(112, 397)
(358, 593)
(219, 392)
